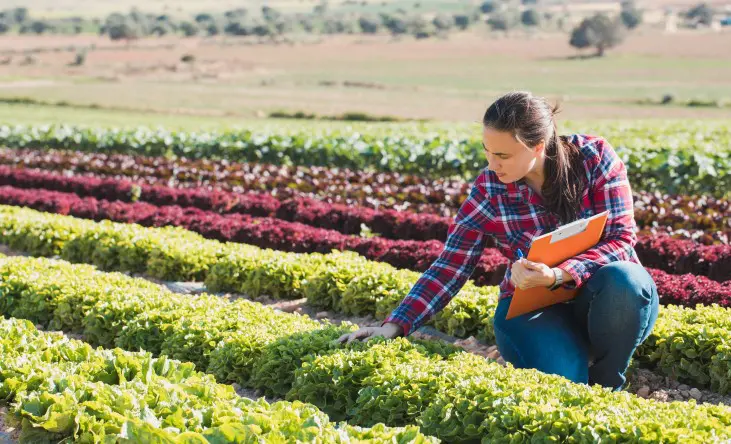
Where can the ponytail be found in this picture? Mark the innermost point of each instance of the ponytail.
(565, 182)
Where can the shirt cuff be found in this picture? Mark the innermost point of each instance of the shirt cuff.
(577, 270)
(404, 324)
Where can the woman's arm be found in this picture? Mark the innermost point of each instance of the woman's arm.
(442, 281)
(466, 240)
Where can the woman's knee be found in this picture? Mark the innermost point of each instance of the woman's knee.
(624, 279)
(625, 303)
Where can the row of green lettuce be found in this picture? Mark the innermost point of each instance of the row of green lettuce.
(340, 281)
(63, 390)
(448, 393)
(691, 158)
(684, 343)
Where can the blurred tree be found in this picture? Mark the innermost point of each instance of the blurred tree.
(124, 31)
(20, 15)
(239, 27)
(307, 24)
(189, 29)
(396, 25)
(530, 17)
(631, 16)
(700, 13)
(270, 14)
(462, 21)
(284, 25)
(203, 17)
(488, 7)
(38, 27)
(4, 26)
(213, 28)
(421, 28)
(263, 29)
(443, 22)
(369, 25)
(598, 31)
(503, 21)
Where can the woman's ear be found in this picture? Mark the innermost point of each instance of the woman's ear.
(540, 147)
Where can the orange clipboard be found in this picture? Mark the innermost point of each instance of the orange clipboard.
(552, 249)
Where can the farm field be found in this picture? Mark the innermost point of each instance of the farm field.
(197, 201)
(94, 219)
(446, 80)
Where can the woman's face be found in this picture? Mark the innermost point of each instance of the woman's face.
(506, 156)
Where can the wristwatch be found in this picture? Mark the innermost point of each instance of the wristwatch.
(559, 278)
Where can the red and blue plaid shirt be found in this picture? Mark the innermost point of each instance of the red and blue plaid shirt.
(513, 214)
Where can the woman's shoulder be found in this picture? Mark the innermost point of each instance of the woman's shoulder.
(600, 159)
(596, 149)
(591, 145)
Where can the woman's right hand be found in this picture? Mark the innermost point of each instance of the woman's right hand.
(388, 330)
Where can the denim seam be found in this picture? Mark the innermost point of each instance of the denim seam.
(647, 321)
(512, 344)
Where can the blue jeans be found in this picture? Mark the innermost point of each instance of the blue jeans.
(613, 312)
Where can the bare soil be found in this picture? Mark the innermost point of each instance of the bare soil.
(8, 434)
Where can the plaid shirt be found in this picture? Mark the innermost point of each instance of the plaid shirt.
(513, 214)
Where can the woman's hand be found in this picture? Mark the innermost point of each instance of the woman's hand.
(388, 330)
(525, 274)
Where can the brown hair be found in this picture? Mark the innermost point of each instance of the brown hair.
(531, 121)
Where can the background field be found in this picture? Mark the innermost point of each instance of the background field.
(451, 79)
(160, 132)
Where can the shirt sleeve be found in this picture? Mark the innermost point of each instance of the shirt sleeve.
(610, 192)
(466, 240)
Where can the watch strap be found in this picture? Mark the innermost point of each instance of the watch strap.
(559, 279)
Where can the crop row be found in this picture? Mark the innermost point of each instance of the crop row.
(453, 395)
(335, 185)
(347, 220)
(262, 232)
(381, 190)
(413, 255)
(342, 282)
(677, 163)
(330, 281)
(63, 390)
(665, 253)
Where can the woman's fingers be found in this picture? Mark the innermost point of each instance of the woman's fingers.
(360, 334)
(348, 336)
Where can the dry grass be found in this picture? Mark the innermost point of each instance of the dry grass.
(440, 79)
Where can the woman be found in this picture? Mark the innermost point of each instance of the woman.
(536, 181)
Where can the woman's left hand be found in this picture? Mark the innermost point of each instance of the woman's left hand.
(525, 274)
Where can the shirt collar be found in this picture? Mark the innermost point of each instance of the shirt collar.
(521, 192)
(517, 191)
